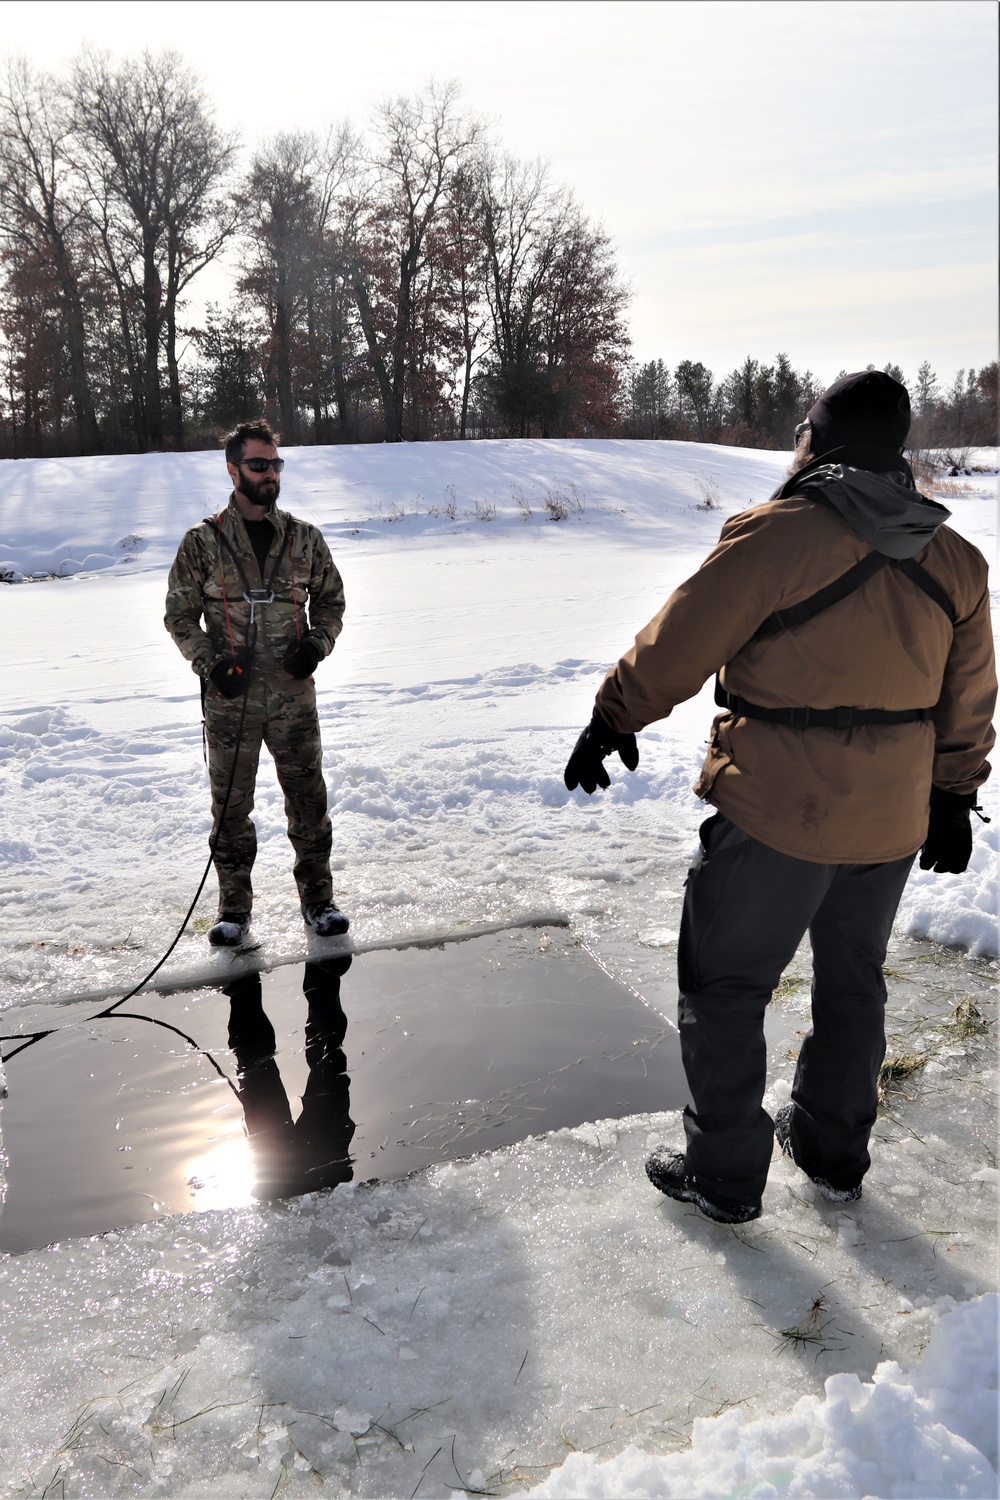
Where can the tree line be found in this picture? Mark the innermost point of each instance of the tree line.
(412, 281)
(758, 405)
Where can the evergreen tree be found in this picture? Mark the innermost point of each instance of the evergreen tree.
(230, 379)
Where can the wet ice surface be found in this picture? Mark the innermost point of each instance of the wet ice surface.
(352, 1068)
(478, 1322)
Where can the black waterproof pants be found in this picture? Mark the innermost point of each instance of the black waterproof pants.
(746, 909)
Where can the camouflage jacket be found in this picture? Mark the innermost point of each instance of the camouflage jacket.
(206, 580)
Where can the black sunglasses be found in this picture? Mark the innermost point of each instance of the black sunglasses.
(261, 465)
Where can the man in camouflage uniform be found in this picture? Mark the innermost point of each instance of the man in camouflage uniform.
(273, 604)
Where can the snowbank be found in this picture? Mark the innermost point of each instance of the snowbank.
(931, 1432)
(959, 910)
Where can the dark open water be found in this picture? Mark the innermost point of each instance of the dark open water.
(313, 1075)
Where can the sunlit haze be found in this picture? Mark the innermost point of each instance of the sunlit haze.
(818, 178)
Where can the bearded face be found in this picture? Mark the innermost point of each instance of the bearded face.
(261, 489)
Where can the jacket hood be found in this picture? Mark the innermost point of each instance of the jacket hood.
(885, 509)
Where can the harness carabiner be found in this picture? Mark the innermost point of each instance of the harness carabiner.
(254, 597)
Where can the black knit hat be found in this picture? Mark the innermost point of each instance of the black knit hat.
(868, 408)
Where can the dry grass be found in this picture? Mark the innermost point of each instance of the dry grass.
(709, 491)
(967, 1020)
(894, 1072)
(941, 474)
(926, 471)
(520, 499)
(813, 1332)
(561, 503)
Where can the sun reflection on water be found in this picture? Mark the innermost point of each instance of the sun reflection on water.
(223, 1176)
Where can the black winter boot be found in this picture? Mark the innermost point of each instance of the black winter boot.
(229, 929)
(325, 919)
(783, 1136)
(666, 1170)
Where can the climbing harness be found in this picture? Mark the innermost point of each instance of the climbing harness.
(254, 596)
(797, 614)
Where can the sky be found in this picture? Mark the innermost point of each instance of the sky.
(797, 175)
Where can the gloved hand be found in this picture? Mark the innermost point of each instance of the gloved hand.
(948, 846)
(585, 766)
(229, 675)
(302, 659)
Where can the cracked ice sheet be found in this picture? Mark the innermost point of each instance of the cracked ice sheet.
(481, 1321)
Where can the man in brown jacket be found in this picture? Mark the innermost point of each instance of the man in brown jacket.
(273, 605)
(850, 631)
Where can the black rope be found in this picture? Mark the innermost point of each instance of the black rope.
(135, 1015)
(250, 643)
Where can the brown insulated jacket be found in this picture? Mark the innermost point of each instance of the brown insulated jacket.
(205, 581)
(855, 796)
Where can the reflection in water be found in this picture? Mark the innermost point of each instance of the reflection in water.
(223, 1176)
(312, 1152)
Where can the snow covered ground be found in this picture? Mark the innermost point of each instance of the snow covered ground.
(540, 1311)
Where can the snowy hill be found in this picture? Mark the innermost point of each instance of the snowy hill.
(471, 651)
(489, 586)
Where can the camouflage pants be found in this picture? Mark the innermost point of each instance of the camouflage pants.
(284, 719)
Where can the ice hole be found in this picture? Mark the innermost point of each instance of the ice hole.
(349, 1068)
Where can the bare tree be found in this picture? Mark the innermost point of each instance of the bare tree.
(155, 162)
(284, 216)
(421, 145)
(556, 305)
(292, 259)
(41, 217)
(467, 265)
(585, 341)
(518, 210)
(335, 370)
(199, 218)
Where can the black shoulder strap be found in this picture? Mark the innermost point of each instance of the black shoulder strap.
(847, 583)
(216, 524)
(225, 542)
(924, 580)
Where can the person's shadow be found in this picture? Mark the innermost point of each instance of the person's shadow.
(312, 1152)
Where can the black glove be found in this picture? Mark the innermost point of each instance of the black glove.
(230, 675)
(585, 766)
(302, 659)
(948, 846)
